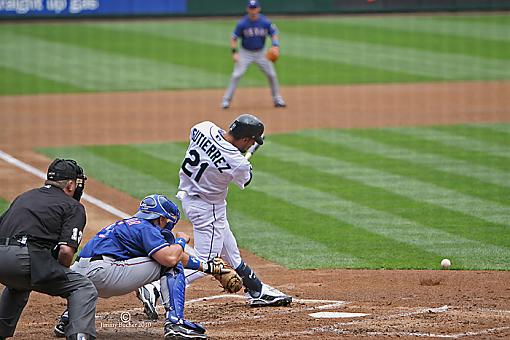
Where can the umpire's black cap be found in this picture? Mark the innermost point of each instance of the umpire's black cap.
(247, 125)
(61, 169)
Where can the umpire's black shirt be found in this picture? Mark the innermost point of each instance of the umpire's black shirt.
(47, 216)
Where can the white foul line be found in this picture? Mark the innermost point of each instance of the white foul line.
(34, 171)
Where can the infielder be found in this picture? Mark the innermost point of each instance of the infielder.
(253, 29)
(213, 160)
(135, 251)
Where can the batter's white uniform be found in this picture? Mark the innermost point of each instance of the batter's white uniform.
(210, 164)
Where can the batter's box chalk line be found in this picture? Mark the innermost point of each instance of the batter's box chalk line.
(312, 305)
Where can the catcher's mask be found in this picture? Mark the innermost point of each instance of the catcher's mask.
(155, 206)
(62, 169)
(247, 125)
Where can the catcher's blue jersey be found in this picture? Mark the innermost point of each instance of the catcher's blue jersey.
(253, 33)
(126, 239)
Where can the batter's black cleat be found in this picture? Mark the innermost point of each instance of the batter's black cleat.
(148, 294)
(269, 296)
(60, 327)
(186, 330)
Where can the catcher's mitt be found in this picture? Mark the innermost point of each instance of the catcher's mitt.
(227, 276)
(272, 54)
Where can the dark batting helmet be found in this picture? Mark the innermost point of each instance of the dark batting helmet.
(247, 125)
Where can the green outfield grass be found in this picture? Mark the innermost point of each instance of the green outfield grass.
(184, 54)
(3, 206)
(351, 198)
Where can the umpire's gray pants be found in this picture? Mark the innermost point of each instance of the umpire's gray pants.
(80, 293)
(247, 57)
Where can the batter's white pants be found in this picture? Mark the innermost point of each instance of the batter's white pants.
(211, 231)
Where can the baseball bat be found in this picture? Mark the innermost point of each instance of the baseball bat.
(252, 150)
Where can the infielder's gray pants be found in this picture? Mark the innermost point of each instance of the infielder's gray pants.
(80, 293)
(247, 57)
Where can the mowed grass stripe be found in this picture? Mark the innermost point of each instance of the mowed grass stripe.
(504, 128)
(415, 190)
(423, 213)
(16, 82)
(97, 70)
(427, 24)
(430, 240)
(319, 225)
(293, 67)
(411, 141)
(378, 55)
(294, 250)
(472, 179)
(449, 137)
(496, 142)
(118, 175)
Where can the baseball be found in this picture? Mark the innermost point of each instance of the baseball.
(445, 264)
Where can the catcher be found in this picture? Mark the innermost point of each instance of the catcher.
(133, 252)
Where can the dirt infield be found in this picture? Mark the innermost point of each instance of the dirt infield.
(403, 303)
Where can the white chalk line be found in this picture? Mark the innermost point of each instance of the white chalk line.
(325, 304)
(38, 173)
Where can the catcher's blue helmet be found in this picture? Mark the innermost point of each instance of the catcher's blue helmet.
(154, 206)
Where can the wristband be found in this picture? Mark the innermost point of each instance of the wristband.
(234, 50)
(193, 263)
(182, 242)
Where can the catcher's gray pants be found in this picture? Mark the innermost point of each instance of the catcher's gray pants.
(80, 293)
(119, 277)
(246, 57)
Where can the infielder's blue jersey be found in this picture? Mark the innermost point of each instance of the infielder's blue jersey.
(126, 239)
(253, 33)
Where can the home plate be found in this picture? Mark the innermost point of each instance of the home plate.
(333, 315)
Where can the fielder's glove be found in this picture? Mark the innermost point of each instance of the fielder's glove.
(273, 53)
(226, 275)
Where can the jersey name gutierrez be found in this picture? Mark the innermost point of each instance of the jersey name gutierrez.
(214, 154)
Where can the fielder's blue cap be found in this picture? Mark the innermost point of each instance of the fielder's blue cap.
(253, 4)
(154, 206)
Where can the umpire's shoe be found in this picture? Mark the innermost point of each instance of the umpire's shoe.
(269, 296)
(184, 330)
(148, 297)
(60, 327)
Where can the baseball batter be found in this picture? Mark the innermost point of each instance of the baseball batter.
(135, 251)
(253, 29)
(213, 160)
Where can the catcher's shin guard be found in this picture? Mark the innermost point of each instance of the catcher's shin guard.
(173, 288)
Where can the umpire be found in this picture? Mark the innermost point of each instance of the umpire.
(39, 235)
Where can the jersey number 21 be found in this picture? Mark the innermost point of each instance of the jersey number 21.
(193, 160)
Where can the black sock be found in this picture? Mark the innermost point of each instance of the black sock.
(250, 280)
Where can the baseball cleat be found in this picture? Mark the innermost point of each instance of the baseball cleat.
(269, 296)
(148, 295)
(60, 327)
(182, 331)
(225, 104)
(279, 103)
